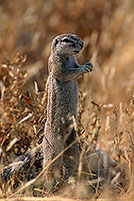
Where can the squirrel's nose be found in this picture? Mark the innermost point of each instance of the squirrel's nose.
(81, 44)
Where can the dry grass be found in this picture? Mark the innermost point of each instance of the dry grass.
(107, 103)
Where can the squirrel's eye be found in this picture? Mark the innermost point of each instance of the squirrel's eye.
(66, 40)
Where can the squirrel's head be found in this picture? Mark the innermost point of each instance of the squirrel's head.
(67, 44)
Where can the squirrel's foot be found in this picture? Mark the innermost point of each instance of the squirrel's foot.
(86, 68)
(89, 66)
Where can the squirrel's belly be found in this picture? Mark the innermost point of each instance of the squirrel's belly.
(67, 97)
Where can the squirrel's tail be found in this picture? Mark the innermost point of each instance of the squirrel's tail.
(23, 165)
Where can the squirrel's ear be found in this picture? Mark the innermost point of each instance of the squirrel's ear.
(55, 42)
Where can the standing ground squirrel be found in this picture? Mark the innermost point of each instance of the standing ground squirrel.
(62, 105)
(59, 132)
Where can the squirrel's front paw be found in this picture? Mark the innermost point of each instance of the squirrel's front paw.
(89, 67)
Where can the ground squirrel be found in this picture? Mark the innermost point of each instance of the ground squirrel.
(62, 105)
(62, 101)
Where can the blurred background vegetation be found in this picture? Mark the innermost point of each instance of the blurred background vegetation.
(107, 29)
